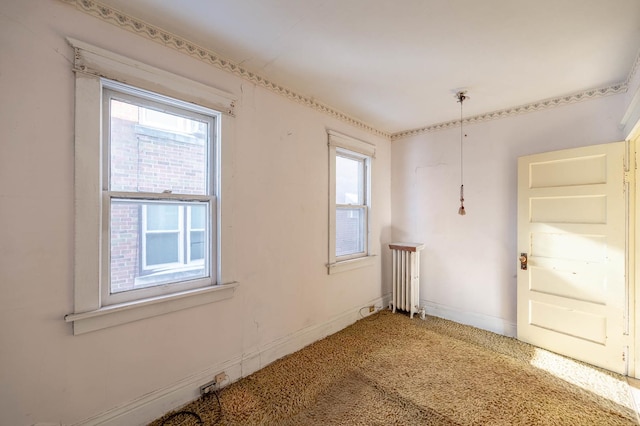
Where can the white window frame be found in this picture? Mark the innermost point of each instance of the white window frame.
(138, 97)
(91, 66)
(340, 144)
(364, 207)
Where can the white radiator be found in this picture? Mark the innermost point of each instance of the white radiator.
(406, 277)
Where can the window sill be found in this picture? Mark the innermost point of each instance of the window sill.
(347, 265)
(123, 313)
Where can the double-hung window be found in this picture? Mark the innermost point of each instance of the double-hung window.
(351, 204)
(350, 162)
(159, 194)
(152, 158)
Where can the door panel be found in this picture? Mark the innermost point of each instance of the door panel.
(571, 224)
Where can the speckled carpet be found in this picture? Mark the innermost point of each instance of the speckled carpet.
(387, 369)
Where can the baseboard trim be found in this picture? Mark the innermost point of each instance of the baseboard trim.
(485, 322)
(154, 404)
(256, 358)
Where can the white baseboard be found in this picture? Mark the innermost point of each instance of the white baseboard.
(485, 322)
(153, 405)
(257, 358)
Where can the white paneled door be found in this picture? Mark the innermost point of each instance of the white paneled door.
(572, 294)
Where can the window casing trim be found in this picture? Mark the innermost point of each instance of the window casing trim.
(351, 144)
(92, 63)
(93, 60)
(113, 315)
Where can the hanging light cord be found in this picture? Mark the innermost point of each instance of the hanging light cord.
(461, 137)
(461, 211)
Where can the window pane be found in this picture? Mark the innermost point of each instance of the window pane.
(198, 217)
(163, 217)
(349, 180)
(350, 231)
(149, 244)
(196, 234)
(170, 122)
(162, 248)
(156, 151)
(197, 247)
(125, 245)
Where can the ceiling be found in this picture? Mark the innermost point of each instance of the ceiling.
(396, 65)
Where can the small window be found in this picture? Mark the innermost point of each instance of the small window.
(159, 189)
(351, 205)
(350, 201)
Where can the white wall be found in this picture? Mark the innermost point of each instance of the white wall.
(468, 267)
(280, 219)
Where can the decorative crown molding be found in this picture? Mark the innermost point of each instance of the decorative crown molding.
(634, 69)
(522, 109)
(151, 32)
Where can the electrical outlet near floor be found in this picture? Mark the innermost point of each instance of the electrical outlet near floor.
(220, 378)
(372, 308)
(208, 387)
(213, 385)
